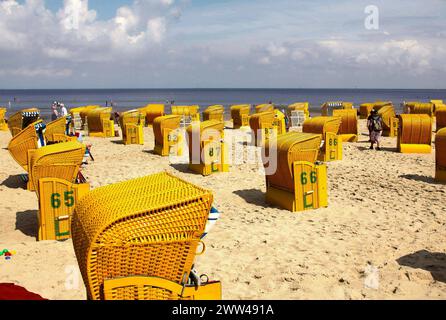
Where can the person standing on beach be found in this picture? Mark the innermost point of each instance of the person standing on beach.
(54, 112)
(375, 126)
(63, 110)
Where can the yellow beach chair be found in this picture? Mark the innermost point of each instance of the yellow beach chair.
(240, 115)
(81, 112)
(437, 104)
(329, 107)
(25, 142)
(99, 123)
(423, 108)
(187, 111)
(349, 124)
(440, 114)
(390, 121)
(365, 109)
(264, 108)
(151, 112)
(59, 130)
(262, 126)
(216, 112)
(328, 127)
(381, 104)
(22, 119)
(440, 155)
(3, 125)
(207, 149)
(168, 137)
(131, 123)
(298, 183)
(415, 133)
(137, 240)
(299, 106)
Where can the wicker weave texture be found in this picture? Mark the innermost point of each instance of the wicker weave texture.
(216, 112)
(423, 108)
(56, 129)
(322, 125)
(329, 107)
(349, 121)
(132, 117)
(149, 226)
(171, 122)
(415, 129)
(96, 119)
(299, 106)
(291, 147)
(185, 110)
(22, 119)
(388, 114)
(25, 141)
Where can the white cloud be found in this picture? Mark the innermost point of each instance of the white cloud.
(37, 72)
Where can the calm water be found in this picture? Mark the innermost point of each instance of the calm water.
(124, 99)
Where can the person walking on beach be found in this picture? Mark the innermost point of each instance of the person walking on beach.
(54, 112)
(375, 126)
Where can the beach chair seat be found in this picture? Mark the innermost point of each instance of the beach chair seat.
(264, 108)
(329, 107)
(99, 123)
(192, 112)
(151, 112)
(298, 183)
(440, 155)
(25, 142)
(168, 135)
(61, 160)
(216, 112)
(138, 239)
(131, 123)
(22, 119)
(299, 106)
(328, 128)
(349, 124)
(59, 131)
(240, 115)
(415, 133)
(207, 149)
(3, 124)
(440, 115)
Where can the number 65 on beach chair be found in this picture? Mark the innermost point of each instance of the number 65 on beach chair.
(137, 240)
(297, 184)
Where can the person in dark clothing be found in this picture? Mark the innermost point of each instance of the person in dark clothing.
(375, 126)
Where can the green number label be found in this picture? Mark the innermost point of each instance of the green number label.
(211, 152)
(330, 142)
(303, 178)
(313, 177)
(335, 142)
(69, 199)
(55, 201)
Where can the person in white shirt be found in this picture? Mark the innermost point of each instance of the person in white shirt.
(63, 110)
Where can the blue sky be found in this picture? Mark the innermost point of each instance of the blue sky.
(222, 43)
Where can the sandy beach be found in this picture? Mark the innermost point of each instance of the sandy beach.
(382, 236)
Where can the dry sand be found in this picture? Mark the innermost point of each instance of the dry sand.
(382, 237)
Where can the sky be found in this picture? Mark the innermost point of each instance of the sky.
(222, 44)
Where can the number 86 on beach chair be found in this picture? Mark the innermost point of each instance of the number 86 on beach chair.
(168, 136)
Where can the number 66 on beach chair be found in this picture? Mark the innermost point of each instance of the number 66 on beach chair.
(137, 240)
(297, 184)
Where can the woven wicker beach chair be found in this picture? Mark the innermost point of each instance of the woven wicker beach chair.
(192, 112)
(240, 115)
(100, 123)
(299, 106)
(216, 112)
(328, 128)
(59, 130)
(349, 124)
(3, 124)
(390, 121)
(415, 133)
(365, 109)
(151, 112)
(264, 108)
(440, 155)
(167, 134)
(440, 114)
(207, 149)
(131, 123)
(137, 240)
(22, 119)
(329, 107)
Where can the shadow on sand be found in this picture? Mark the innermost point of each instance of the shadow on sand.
(14, 182)
(26, 222)
(434, 262)
(252, 196)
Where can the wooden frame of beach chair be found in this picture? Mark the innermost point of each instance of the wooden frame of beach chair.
(22, 119)
(137, 240)
(388, 115)
(131, 123)
(415, 133)
(365, 109)
(58, 130)
(151, 112)
(349, 124)
(216, 112)
(99, 123)
(187, 111)
(440, 155)
(240, 115)
(299, 106)
(329, 107)
(328, 127)
(264, 108)
(437, 104)
(57, 200)
(298, 184)
(3, 125)
(207, 149)
(25, 142)
(61, 160)
(168, 136)
(440, 115)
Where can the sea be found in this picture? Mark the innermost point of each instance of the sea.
(127, 99)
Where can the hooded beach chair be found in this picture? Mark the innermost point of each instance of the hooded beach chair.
(3, 125)
(59, 130)
(207, 149)
(297, 183)
(187, 112)
(440, 155)
(423, 108)
(377, 105)
(81, 113)
(365, 109)
(349, 124)
(264, 108)
(151, 112)
(168, 136)
(390, 121)
(415, 133)
(137, 240)
(267, 125)
(22, 119)
(437, 104)
(329, 107)
(299, 106)
(26, 141)
(440, 115)
(216, 112)
(131, 123)
(99, 123)
(240, 115)
(328, 127)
